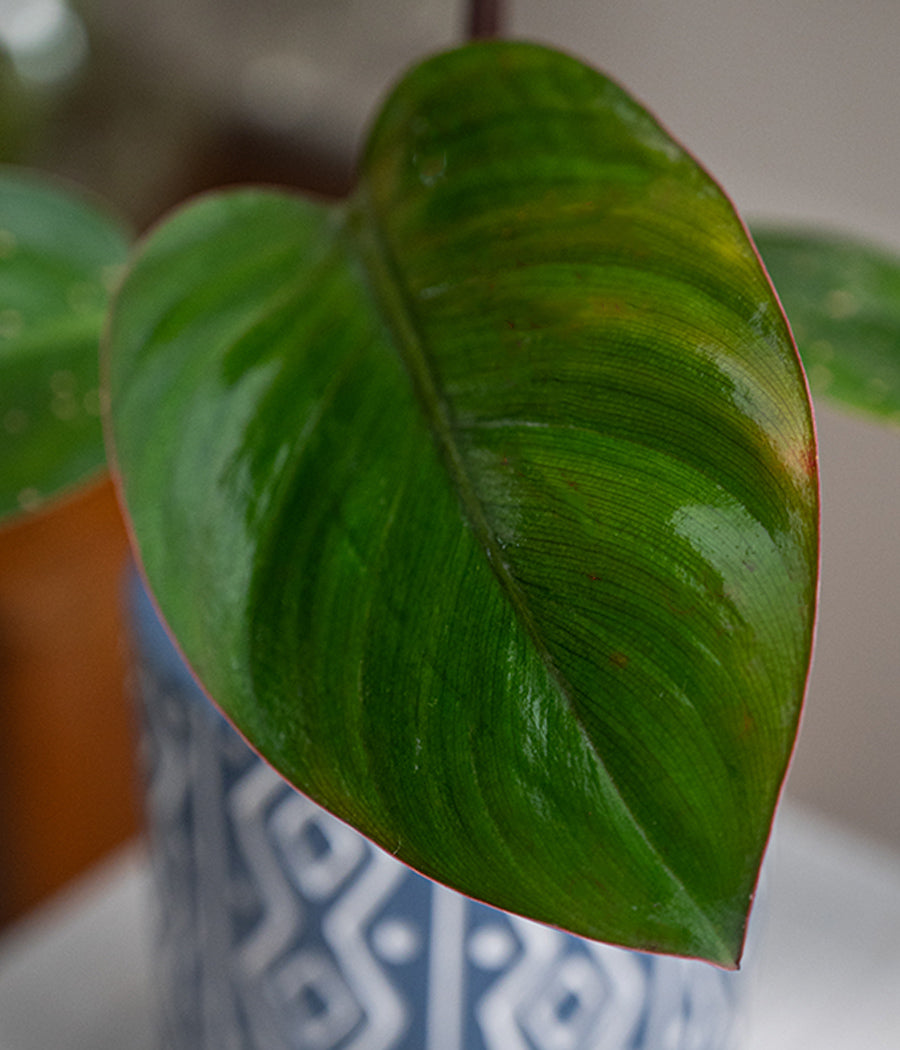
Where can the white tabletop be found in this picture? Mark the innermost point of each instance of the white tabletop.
(76, 974)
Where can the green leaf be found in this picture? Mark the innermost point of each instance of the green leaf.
(842, 297)
(58, 257)
(485, 502)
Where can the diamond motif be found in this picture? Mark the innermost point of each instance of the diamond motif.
(567, 1008)
(316, 1006)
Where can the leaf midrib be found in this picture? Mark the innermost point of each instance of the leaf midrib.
(381, 275)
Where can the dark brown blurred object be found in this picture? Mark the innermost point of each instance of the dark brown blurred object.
(68, 788)
(484, 19)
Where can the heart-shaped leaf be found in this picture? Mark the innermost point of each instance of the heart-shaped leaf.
(59, 255)
(842, 297)
(485, 502)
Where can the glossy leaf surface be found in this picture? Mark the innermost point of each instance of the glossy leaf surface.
(842, 298)
(58, 257)
(485, 502)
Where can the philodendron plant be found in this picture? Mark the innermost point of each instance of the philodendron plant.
(484, 502)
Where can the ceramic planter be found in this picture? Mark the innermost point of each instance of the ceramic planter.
(280, 927)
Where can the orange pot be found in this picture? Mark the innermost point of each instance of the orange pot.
(68, 790)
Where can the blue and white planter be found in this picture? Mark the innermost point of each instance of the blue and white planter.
(280, 927)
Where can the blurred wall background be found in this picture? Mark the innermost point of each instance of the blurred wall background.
(792, 105)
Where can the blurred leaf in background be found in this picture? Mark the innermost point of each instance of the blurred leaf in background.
(60, 254)
(842, 298)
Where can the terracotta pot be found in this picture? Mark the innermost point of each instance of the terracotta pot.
(67, 784)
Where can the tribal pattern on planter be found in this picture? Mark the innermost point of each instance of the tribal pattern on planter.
(280, 927)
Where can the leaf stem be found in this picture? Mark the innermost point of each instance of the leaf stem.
(485, 17)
